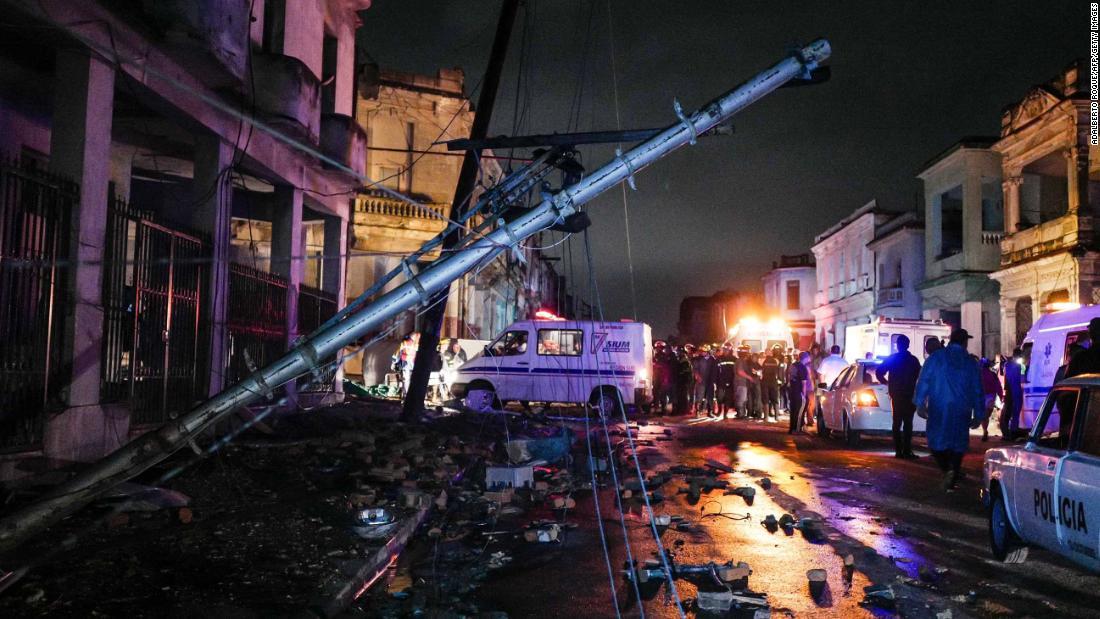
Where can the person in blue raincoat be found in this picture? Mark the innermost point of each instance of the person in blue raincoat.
(949, 394)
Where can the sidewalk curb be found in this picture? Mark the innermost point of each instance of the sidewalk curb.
(373, 567)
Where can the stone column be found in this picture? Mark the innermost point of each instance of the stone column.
(345, 72)
(971, 319)
(1011, 187)
(288, 250)
(212, 215)
(972, 221)
(334, 271)
(1077, 179)
(80, 149)
(1008, 324)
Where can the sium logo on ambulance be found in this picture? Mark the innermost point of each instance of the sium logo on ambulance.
(600, 343)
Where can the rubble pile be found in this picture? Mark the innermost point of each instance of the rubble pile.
(273, 524)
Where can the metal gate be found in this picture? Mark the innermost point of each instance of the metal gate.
(154, 332)
(35, 211)
(256, 319)
(315, 306)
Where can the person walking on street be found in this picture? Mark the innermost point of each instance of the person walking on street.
(900, 371)
(684, 382)
(992, 392)
(949, 396)
(770, 379)
(452, 358)
(727, 368)
(832, 366)
(932, 345)
(706, 372)
(741, 379)
(785, 360)
(1014, 395)
(691, 352)
(662, 377)
(756, 399)
(402, 361)
(799, 388)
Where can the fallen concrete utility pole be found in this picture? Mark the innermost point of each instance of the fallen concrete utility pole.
(146, 451)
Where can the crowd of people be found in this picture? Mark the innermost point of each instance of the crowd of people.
(722, 381)
(953, 390)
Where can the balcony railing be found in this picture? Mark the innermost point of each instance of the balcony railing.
(992, 238)
(1046, 238)
(385, 205)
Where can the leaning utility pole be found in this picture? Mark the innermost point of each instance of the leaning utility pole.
(417, 389)
(151, 448)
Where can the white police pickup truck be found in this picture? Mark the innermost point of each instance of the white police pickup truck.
(1046, 492)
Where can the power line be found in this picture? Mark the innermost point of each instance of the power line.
(633, 448)
(622, 185)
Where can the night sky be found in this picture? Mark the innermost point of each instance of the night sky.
(908, 80)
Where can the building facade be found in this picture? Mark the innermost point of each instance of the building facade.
(789, 294)
(846, 274)
(1048, 257)
(404, 116)
(129, 163)
(898, 249)
(964, 225)
(707, 320)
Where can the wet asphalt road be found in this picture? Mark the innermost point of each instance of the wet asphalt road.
(890, 515)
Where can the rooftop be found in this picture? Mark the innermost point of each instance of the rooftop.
(869, 208)
(909, 220)
(445, 83)
(972, 141)
(799, 260)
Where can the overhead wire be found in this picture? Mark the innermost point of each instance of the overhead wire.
(622, 184)
(661, 552)
(599, 517)
(612, 465)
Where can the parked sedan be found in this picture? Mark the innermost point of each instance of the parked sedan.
(857, 404)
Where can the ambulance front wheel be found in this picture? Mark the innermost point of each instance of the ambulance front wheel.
(606, 402)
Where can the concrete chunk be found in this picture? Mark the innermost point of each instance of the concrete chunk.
(714, 601)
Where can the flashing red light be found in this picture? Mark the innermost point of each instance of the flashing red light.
(547, 315)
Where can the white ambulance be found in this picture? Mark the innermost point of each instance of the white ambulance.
(601, 364)
(1047, 492)
(880, 338)
(1046, 348)
(761, 336)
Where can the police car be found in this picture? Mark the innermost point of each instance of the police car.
(1046, 492)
